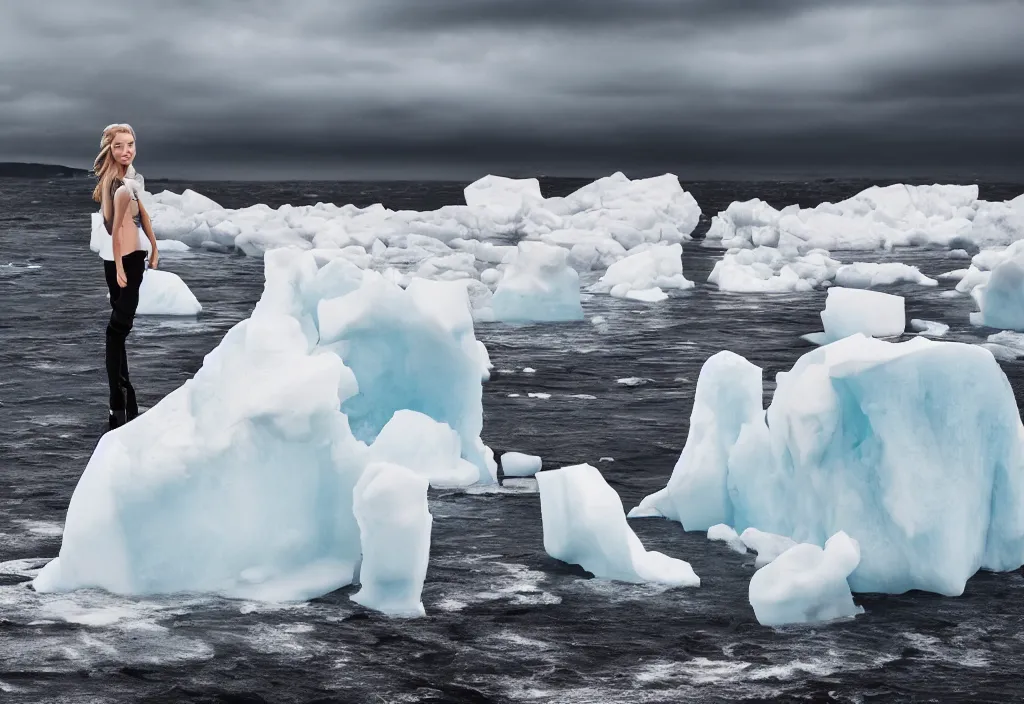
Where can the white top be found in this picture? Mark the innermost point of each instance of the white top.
(103, 243)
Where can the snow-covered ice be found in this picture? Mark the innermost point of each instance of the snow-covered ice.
(914, 449)
(164, 293)
(390, 506)
(878, 217)
(655, 267)
(584, 524)
(597, 225)
(806, 584)
(869, 275)
(538, 285)
(771, 270)
(851, 311)
(240, 482)
(725, 534)
(518, 464)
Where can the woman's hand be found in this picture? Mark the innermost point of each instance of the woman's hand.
(122, 280)
(154, 258)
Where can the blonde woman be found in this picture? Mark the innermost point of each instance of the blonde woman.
(131, 239)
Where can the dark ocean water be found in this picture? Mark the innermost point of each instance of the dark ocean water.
(505, 622)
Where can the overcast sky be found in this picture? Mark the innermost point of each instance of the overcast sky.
(460, 88)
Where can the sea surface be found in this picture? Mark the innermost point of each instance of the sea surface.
(505, 622)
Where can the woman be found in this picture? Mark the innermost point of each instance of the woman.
(126, 221)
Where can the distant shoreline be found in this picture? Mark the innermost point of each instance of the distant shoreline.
(16, 169)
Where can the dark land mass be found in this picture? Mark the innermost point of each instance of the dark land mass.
(17, 169)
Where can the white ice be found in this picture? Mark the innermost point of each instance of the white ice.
(164, 293)
(768, 546)
(851, 311)
(240, 482)
(517, 464)
(390, 506)
(878, 217)
(597, 225)
(772, 270)
(1000, 294)
(538, 285)
(929, 328)
(914, 449)
(806, 584)
(584, 524)
(725, 534)
(869, 275)
(639, 274)
(727, 397)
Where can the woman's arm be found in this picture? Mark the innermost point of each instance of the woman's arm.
(121, 198)
(147, 227)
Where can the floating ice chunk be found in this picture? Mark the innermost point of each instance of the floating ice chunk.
(584, 524)
(1006, 345)
(930, 328)
(171, 246)
(723, 533)
(538, 286)
(647, 295)
(956, 274)
(164, 293)
(849, 311)
(631, 211)
(390, 507)
(878, 217)
(240, 482)
(1001, 298)
(426, 447)
(655, 267)
(770, 270)
(869, 275)
(767, 545)
(506, 195)
(806, 584)
(516, 464)
(729, 395)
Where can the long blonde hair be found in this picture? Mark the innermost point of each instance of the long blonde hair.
(104, 166)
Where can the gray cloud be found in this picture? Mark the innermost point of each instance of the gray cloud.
(408, 87)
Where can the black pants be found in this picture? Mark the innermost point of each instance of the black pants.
(124, 302)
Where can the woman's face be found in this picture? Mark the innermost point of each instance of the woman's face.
(123, 148)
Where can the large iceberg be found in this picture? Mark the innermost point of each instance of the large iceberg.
(538, 285)
(806, 584)
(240, 482)
(914, 449)
(584, 524)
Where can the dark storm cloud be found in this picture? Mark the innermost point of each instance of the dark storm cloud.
(261, 87)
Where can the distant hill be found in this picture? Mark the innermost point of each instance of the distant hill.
(17, 169)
